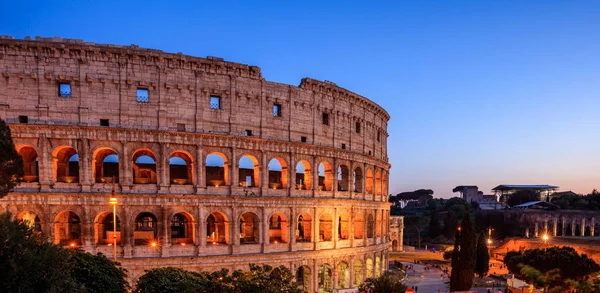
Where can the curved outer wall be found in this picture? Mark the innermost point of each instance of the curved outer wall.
(178, 120)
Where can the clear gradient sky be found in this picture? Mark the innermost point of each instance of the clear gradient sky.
(480, 92)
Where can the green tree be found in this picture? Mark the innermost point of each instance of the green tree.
(482, 262)
(11, 163)
(96, 273)
(435, 229)
(170, 280)
(450, 225)
(265, 279)
(464, 257)
(455, 262)
(386, 283)
(539, 279)
(522, 196)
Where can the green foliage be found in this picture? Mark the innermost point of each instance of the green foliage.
(571, 201)
(385, 283)
(463, 257)
(450, 225)
(11, 163)
(482, 262)
(435, 229)
(522, 196)
(566, 259)
(538, 278)
(259, 279)
(30, 264)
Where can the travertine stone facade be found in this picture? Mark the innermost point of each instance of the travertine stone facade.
(171, 133)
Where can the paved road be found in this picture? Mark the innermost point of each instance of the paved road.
(429, 281)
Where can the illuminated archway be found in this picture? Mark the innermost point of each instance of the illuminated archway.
(278, 227)
(249, 171)
(67, 229)
(105, 165)
(182, 229)
(66, 165)
(325, 227)
(217, 229)
(304, 228)
(325, 176)
(249, 228)
(278, 174)
(30, 163)
(144, 167)
(181, 168)
(303, 175)
(145, 230)
(217, 170)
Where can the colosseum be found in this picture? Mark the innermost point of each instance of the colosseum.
(212, 165)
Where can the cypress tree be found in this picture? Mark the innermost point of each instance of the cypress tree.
(467, 254)
(435, 228)
(455, 262)
(11, 163)
(482, 264)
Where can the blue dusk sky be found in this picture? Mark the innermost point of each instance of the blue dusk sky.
(480, 92)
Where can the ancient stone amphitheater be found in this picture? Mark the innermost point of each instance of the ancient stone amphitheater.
(213, 166)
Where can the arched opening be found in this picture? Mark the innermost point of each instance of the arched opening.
(358, 273)
(343, 176)
(145, 230)
(31, 219)
(249, 171)
(105, 166)
(325, 176)
(278, 174)
(217, 229)
(303, 279)
(30, 163)
(377, 266)
(344, 226)
(369, 182)
(358, 179)
(181, 168)
(303, 229)
(105, 229)
(343, 273)
(378, 183)
(182, 229)
(67, 229)
(359, 226)
(325, 280)
(325, 227)
(394, 245)
(144, 167)
(249, 228)
(369, 268)
(370, 226)
(217, 170)
(66, 165)
(303, 175)
(277, 228)
(378, 224)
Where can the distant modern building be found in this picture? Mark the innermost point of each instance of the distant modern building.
(504, 190)
(471, 193)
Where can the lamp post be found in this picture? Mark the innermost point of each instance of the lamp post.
(113, 201)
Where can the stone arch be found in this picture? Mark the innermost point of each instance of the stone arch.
(278, 227)
(67, 229)
(358, 273)
(249, 171)
(181, 168)
(182, 229)
(65, 163)
(304, 279)
(304, 228)
(343, 174)
(325, 176)
(104, 229)
(369, 266)
(145, 229)
(370, 226)
(217, 169)
(378, 183)
(357, 179)
(31, 219)
(369, 182)
(303, 175)
(359, 226)
(30, 162)
(343, 273)
(343, 226)
(325, 278)
(249, 228)
(278, 173)
(217, 228)
(105, 165)
(325, 227)
(145, 166)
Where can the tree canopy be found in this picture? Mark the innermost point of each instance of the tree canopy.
(482, 262)
(463, 256)
(386, 283)
(11, 163)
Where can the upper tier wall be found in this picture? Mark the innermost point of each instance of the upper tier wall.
(104, 80)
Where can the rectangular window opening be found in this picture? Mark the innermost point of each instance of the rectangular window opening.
(303, 139)
(378, 136)
(142, 95)
(248, 132)
(326, 118)
(343, 146)
(104, 122)
(64, 90)
(181, 127)
(277, 110)
(23, 119)
(357, 127)
(215, 102)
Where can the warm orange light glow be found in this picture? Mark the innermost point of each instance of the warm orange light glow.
(72, 244)
(182, 244)
(489, 241)
(110, 244)
(275, 242)
(113, 200)
(153, 244)
(214, 243)
(545, 237)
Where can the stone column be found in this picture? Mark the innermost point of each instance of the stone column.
(265, 225)
(573, 227)
(592, 226)
(351, 268)
(335, 273)
(535, 229)
(125, 176)
(563, 223)
(165, 238)
(127, 231)
(235, 224)
(200, 179)
(316, 225)
(335, 226)
(163, 169)
(334, 177)
(546, 226)
(351, 228)
(583, 227)
(555, 227)
(201, 229)
(84, 166)
(527, 232)
(45, 164)
(315, 175)
(365, 226)
(292, 229)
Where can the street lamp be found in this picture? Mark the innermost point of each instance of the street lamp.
(113, 201)
(545, 237)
